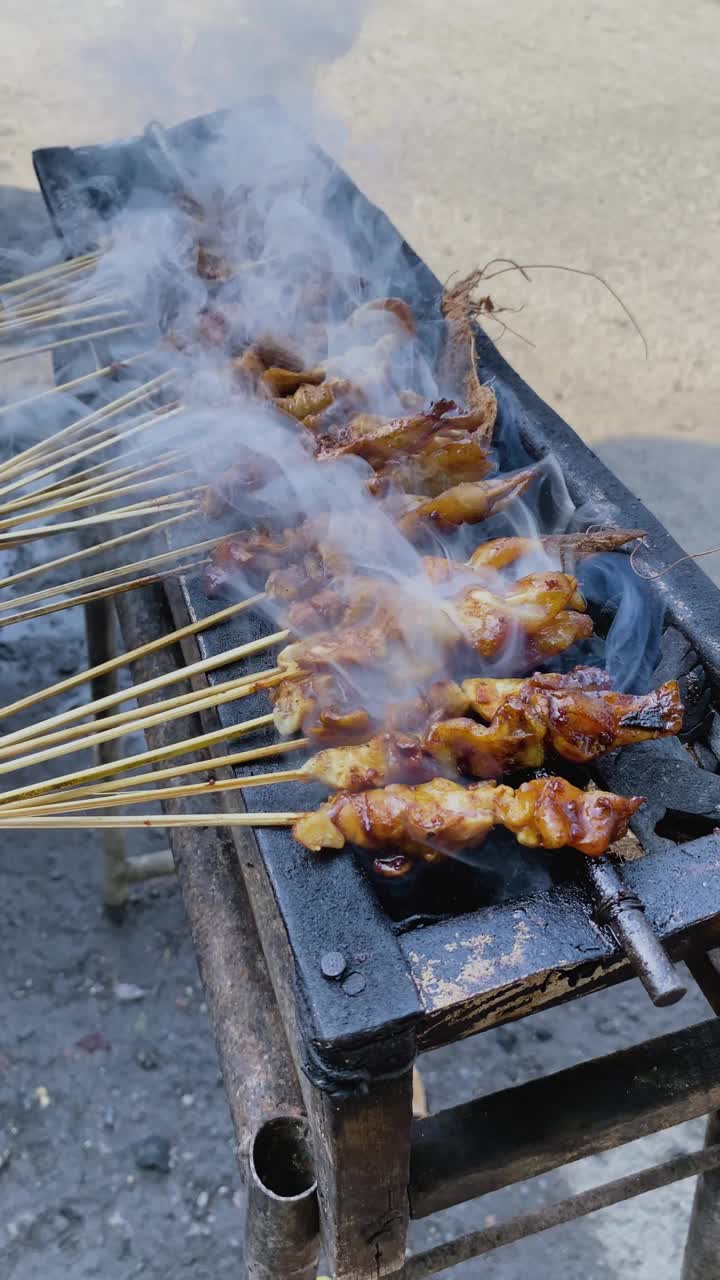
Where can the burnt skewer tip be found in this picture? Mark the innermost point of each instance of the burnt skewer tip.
(622, 911)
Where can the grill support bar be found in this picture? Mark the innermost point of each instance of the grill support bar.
(518, 1133)
(485, 1241)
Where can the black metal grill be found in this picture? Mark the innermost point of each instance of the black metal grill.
(459, 951)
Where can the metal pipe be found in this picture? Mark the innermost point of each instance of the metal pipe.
(701, 1260)
(622, 912)
(282, 1226)
(149, 866)
(260, 1081)
(100, 632)
(478, 1243)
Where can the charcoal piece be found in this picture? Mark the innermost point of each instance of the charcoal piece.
(696, 693)
(665, 774)
(713, 737)
(705, 757)
(677, 656)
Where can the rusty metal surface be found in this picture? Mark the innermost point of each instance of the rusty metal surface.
(260, 1081)
(478, 1243)
(424, 965)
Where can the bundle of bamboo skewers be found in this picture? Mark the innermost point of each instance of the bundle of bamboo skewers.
(26, 495)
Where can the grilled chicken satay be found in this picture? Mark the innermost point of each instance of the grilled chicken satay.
(579, 724)
(441, 817)
(326, 707)
(390, 441)
(540, 615)
(466, 503)
(568, 547)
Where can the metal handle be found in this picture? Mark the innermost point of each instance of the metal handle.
(622, 912)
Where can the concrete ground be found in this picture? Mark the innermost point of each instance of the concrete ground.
(574, 133)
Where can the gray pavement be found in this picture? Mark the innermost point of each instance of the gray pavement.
(572, 132)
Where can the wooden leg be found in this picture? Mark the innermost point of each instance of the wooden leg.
(702, 1251)
(100, 631)
(362, 1160)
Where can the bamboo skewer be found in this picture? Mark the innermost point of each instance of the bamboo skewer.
(21, 460)
(13, 330)
(168, 793)
(22, 317)
(107, 370)
(126, 764)
(69, 266)
(102, 594)
(67, 342)
(48, 292)
(134, 719)
(95, 549)
(55, 297)
(104, 823)
(106, 440)
(124, 783)
(90, 480)
(105, 574)
(133, 655)
(94, 497)
(201, 667)
(133, 512)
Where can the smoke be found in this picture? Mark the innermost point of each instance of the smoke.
(180, 61)
(296, 256)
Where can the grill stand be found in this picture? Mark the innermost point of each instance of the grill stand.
(369, 1157)
(702, 1251)
(119, 870)
(375, 1168)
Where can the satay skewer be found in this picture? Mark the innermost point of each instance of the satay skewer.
(401, 824)
(187, 746)
(102, 493)
(175, 502)
(26, 460)
(105, 575)
(84, 262)
(102, 593)
(69, 342)
(96, 548)
(108, 438)
(92, 480)
(10, 742)
(40, 729)
(12, 331)
(102, 823)
(60, 388)
(127, 782)
(137, 719)
(132, 655)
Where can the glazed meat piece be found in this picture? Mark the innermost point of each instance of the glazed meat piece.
(286, 382)
(442, 817)
(567, 547)
(446, 459)
(537, 613)
(466, 503)
(577, 724)
(324, 706)
(401, 436)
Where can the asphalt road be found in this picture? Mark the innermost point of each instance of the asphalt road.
(574, 133)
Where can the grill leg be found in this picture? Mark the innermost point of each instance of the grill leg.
(362, 1161)
(282, 1240)
(100, 631)
(702, 1251)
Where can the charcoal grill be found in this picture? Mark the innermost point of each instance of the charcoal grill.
(424, 970)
